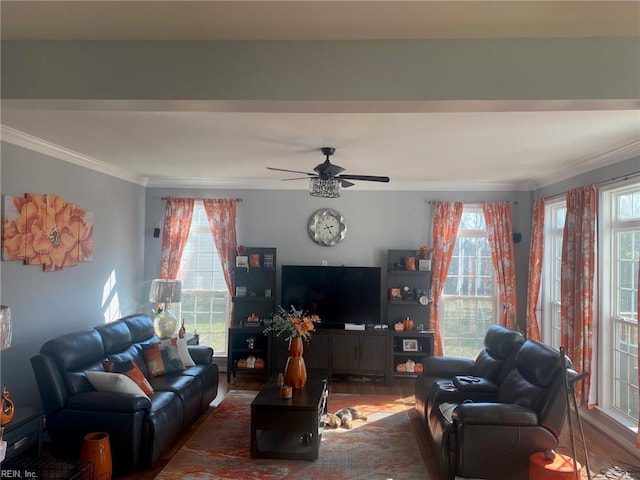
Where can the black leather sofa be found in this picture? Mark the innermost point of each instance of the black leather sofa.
(491, 433)
(141, 428)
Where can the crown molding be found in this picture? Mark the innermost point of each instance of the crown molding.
(245, 184)
(24, 140)
(581, 166)
(29, 142)
(602, 159)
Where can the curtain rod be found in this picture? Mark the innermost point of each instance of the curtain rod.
(599, 184)
(615, 179)
(513, 202)
(239, 200)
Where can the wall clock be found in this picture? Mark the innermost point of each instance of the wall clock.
(327, 227)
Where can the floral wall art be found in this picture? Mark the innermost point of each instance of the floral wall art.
(45, 230)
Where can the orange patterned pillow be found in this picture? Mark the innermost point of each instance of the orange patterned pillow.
(162, 357)
(131, 370)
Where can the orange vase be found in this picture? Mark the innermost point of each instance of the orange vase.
(96, 449)
(295, 372)
(8, 408)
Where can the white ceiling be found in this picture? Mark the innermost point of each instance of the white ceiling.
(481, 145)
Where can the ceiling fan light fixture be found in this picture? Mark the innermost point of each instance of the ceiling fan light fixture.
(324, 187)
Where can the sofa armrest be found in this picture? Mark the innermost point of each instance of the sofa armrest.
(447, 367)
(494, 414)
(473, 384)
(109, 402)
(201, 354)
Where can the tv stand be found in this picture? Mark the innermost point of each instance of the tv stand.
(342, 352)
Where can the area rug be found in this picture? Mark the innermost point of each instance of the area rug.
(384, 447)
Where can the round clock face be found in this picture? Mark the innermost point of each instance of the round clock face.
(327, 227)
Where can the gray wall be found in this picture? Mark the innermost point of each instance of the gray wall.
(48, 304)
(376, 221)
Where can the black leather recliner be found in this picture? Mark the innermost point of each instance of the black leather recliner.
(141, 429)
(494, 439)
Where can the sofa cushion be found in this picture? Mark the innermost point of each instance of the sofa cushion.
(131, 370)
(528, 385)
(487, 366)
(141, 327)
(162, 357)
(113, 382)
(495, 361)
(183, 351)
(115, 336)
(75, 351)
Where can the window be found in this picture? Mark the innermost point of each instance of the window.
(206, 302)
(619, 259)
(470, 292)
(555, 213)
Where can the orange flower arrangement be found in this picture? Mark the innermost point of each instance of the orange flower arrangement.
(424, 251)
(294, 323)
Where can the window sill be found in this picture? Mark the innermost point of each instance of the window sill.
(617, 431)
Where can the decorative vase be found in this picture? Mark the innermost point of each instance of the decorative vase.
(165, 324)
(96, 449)
(8, 408)
(295, 372)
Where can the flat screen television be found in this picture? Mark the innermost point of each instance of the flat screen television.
(338, 295)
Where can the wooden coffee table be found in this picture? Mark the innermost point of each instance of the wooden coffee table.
(289, 428)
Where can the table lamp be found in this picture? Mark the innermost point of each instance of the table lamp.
(165, 323)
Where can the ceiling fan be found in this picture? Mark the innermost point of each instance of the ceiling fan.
(328, 178)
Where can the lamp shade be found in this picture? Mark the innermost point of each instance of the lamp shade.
(165, 291)
(5, 327)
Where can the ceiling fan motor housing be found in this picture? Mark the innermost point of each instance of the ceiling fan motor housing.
(328, 151)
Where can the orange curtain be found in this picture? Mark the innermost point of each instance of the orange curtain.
(177, 222)
(497, 217)
(535, 268)
(446, 220)
(221, 214)
(576, 282)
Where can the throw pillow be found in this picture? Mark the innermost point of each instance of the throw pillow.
(183, 351)
(162, 357)
(131, 370)
(113, 382)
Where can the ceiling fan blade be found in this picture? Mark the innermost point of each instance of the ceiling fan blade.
(299, 178)
(291, 171)
(368, 178)
(347, 183)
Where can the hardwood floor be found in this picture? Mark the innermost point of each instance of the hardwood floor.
(603, 451)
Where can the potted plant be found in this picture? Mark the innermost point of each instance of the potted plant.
(296, 326)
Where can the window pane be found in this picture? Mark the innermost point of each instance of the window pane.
(205, 297)
(628, 206)
(559, 215)
(626, 369)
(622, 259)
(550, 299)
(469, 303)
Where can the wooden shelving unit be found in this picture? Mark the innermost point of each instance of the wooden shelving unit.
(239, 350)
(414, 288)
(399, 355)
(254, 300)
